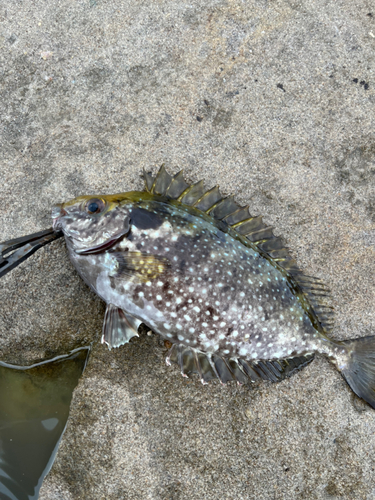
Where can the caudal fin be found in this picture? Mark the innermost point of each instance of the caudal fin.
(358, 367)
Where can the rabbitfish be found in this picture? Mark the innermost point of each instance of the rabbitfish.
(211, 279)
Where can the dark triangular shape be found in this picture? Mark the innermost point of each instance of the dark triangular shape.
(177, 186)
(149, 181)
(162, 182)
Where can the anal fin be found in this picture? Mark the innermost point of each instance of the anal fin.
(211, 366)
(118, 327)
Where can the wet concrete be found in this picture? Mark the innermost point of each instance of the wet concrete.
(274, 101)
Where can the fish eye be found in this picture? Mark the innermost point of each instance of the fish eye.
(95, 206)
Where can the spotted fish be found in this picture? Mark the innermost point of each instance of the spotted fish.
(214, 281)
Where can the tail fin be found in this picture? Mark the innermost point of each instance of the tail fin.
(358, 369)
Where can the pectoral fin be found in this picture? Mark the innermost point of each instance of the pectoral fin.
(118, 327)
(139, 266)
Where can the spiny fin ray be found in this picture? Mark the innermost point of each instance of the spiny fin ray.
(208, 199)
(149, 181)
(193, 194)
(223, 208)
(177, 186)
(211, 366)
(162, 182)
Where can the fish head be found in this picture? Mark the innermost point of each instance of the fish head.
(93, 223)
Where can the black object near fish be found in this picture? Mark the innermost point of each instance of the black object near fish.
(34, 409)
(25, 246)
(210, 278)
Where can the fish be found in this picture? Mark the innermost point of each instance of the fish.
(211, 279)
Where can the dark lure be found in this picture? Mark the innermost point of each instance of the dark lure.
(208, 277)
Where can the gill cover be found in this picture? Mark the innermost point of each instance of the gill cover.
(92, 225)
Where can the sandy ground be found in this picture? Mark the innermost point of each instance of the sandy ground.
(275, 102)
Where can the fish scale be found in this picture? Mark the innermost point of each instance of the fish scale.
(209, 277)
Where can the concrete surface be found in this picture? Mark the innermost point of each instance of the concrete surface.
(274, 101)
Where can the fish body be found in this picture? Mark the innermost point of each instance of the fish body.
(213, 291)
(208, 277)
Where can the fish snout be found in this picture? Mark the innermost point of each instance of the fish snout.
(57, 212)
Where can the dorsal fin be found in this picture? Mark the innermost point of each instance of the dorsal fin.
(253, 228)
(211, 366)
(192, 194)
(162, 182)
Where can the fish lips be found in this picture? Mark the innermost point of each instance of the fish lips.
(107, 244)
(57, 215)
(102, 247)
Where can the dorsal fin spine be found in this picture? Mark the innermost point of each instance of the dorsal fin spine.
(187, 190)
(236, 212)
(201, 198)
(175, 179)
(216, 204)
(259, 242)
(241, 222)
(156, 177)
(148, 181)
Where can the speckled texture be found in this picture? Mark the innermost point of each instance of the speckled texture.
(274, 102)
(187, 276)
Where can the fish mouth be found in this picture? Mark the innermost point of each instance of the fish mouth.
(58, 213)
(101, 247)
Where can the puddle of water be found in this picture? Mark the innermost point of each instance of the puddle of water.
(34, 408)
